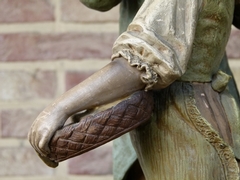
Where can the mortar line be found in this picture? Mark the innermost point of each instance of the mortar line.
(55, 26)
(24, 104)
(81, 65)
(61, 79)
(68, 177)
(57, 13)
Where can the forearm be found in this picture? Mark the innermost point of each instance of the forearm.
(116, 80)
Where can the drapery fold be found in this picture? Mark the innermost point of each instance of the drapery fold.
(160, 41)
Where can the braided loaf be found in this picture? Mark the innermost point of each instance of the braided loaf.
(95, 130)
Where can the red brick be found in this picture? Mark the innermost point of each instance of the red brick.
(75, 11)
(16, 123)
(73, 78)
(21, 85)
(95, 162)
(20, 161)
(233, 45)
(26, 11)
(35, 46)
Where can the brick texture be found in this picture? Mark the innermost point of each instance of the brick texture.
(21, 85)
(95, 162)
(73, 11)
(20, 161)
(35, 46)
(59, 41)
(233, 45)
(17, 122)
(26, 11)
(236, 72)
(73, 78)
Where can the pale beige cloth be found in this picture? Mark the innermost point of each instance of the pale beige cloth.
(176, 40)
(160, 39)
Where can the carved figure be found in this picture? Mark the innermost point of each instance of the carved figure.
(174, 49)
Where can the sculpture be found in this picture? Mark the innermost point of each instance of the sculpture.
(173, 48)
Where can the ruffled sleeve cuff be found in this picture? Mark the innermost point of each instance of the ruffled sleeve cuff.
(150, 78)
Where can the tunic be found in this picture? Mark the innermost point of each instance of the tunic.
(194, 132)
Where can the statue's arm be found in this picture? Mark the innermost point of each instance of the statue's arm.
(160, 39)
(114, 81)
(157, 64)
(100, 5)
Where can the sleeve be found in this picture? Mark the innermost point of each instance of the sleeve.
(159, 40)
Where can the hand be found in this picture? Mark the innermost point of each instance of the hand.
(112, 82)
(42, 130)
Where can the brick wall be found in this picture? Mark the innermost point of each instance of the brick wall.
(47, 47)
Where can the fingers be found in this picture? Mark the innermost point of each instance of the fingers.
(39, 137)
(42, 130)
(43, 142)
(48, 161)
(39, 141)
(41, 147)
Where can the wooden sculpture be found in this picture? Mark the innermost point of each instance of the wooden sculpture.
(173, 49)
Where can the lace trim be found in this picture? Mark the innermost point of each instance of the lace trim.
(224, 151)
(150, 77)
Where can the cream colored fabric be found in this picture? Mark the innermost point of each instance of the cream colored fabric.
(179, 143)
(177, 40)
(160, 39)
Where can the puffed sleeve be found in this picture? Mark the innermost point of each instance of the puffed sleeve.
(159, 40)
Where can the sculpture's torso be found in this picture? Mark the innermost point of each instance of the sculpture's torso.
(211, 37)
(212, 33)
(174, 145)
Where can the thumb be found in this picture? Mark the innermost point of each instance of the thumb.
(48, 162)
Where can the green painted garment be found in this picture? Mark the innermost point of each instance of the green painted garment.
(177, 41)
(207, 54)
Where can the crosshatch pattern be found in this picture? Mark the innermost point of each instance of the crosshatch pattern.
(95, 130)
(47, 47)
